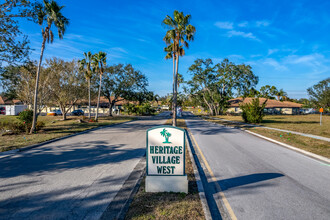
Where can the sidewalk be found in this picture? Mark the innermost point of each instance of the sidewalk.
(276, 129)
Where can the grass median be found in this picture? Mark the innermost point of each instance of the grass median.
(308, 124)
(54, 128)
(309, 144)
(168, 205)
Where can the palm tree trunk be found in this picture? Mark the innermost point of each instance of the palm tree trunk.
(98, 99)
(89, 98)
(175, 90)
(34, 121)
(173, 83)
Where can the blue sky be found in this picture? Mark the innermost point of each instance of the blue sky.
(286, 42)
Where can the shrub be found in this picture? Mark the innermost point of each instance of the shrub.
(92, 120)
(14, 127)
(26, 118)
(253, 112)
(130, 108)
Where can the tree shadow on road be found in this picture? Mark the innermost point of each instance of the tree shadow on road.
(72, 202)
(73, 156)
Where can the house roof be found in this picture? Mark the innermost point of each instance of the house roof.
(6, 101)
(271, 103)
(103, 101)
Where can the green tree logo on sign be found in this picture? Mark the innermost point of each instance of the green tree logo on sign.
(167, 135)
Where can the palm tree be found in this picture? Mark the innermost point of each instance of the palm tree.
(51, 13)
(98, 63)
(85, 66)
(180, 31)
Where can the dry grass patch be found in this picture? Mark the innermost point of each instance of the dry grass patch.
(54, 128)
(168, 205)
(309, 144)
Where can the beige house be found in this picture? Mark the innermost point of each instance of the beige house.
(272, 106)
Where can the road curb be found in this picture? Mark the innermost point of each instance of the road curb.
(315, 156)
(15, 151)
(201, 191)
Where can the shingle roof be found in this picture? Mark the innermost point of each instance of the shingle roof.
(271, 103)
(5, 101)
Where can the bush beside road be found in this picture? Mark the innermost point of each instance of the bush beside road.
(54, 128)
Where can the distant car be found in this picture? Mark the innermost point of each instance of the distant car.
(2, 110)
(54, 113)
(78, 112)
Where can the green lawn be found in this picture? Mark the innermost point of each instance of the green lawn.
(54, 128)
(309, 124)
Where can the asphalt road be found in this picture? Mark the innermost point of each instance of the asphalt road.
(74, 178)
(260, 179)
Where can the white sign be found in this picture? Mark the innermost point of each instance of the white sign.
(165, 151)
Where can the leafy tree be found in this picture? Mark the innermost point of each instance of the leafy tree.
(214, 85)
(268, 91)
(123, 82)
(319, 94)
(180, 31)
(85, 66)
(13, 44)
(50, 12)
(67, 84)
(306, 103)
(19, 83)
(26, 85)
(98, 63)
(252, 93)
(10, 77)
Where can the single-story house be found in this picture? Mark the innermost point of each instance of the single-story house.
(272, 106)
(5, 101)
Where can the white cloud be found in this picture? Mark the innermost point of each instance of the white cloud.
(119, 49)
(263, 23)
(271, 51)
(242, 34)
(224, 25)
(243, 24)
(312, 59)
(274, 63)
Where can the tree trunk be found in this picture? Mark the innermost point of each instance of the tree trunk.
(110, 107)
(173, 83)
(63, 113)
(175, 90)
(98, 99)
(34, 122)
(89, 98)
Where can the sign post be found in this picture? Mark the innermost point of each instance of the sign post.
(166, 160)
(321, 111)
